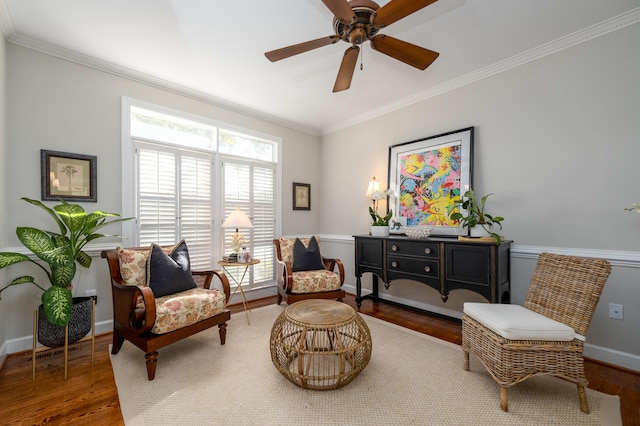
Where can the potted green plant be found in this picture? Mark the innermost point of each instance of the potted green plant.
(476, 214)
(59, 251)
(380, 225)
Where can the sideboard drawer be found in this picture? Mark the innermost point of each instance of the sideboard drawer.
(400, 265)
(413, 248)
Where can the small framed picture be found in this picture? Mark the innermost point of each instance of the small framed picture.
(397, 225)
(301, 196)
(66, 176)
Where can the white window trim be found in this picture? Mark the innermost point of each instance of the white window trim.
(128, 161)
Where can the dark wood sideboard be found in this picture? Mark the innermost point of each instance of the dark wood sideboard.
(444, 264)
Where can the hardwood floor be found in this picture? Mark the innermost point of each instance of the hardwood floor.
(89, 396)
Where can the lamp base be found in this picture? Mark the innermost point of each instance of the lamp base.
(237, 241)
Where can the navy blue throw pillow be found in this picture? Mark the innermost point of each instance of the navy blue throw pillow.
(169, 274)
(307, 258)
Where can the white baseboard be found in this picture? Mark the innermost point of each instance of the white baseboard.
(612, 356)
(25, 343)
(599, 353)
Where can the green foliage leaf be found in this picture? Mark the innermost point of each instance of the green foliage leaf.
(72, 215)
(61, 276)
(35, 240)
(9, 258)
(52, 213)
(20, 280)
(379, 220)
(84, 259)
(57, 304)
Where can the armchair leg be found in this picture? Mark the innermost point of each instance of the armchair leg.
(466, 361)
(222, 328)
(584, 405)
(116, 343)
(504, 402)
(152, 362)
(279, 299)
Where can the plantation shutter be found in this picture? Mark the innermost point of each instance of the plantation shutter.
(175, 199)
(250, 186)
(195, 217)
(157, 195)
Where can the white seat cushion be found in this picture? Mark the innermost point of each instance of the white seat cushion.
(515, 322)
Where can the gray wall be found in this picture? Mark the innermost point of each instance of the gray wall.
(556, 141)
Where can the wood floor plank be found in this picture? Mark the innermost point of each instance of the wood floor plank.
(90, 396)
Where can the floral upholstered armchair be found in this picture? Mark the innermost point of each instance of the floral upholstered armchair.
(304, 274)
(158, 299)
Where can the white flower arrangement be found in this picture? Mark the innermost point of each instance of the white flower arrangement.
(634, 208)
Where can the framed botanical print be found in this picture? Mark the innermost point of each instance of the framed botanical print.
(67, 176)
(301, 196)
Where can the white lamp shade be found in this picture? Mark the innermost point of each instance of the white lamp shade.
(237, 219)
(373, 188)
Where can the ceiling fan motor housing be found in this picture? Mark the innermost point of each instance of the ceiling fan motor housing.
(362, 29)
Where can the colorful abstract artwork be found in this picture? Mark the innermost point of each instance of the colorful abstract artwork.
(427, 176)
(429, 184)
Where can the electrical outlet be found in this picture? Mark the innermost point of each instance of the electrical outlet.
(93, 294)
(616, 311)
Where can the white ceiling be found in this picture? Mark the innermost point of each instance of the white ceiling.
(216, 48)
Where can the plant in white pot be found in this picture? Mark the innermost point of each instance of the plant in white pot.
(59, 251)
(476, 214)
(380, 225)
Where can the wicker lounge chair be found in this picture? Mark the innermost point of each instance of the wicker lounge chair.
(546, 336)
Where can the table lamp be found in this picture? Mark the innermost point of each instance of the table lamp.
(237, 219)
(375, 193)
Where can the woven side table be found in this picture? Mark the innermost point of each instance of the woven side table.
(320, 344)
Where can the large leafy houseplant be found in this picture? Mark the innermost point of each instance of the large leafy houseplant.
(60, 251)
(476, 214)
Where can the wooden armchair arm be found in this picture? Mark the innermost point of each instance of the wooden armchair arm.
(224, 281)
(330, 264)
(126, 310)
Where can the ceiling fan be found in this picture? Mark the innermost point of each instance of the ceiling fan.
(357, 21)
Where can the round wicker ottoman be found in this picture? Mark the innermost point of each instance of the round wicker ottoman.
(320, 344)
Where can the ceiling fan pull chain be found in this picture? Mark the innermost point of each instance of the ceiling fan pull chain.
(361, 55)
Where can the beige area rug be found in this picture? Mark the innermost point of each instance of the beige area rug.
(412, 379)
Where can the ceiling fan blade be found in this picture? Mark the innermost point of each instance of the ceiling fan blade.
(341, 10)
(408, 53)
(398, 9)
(348, 65)
(285, 52)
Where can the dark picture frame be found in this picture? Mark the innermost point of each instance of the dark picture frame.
(301, 196)
(67, 176)
(427, 175)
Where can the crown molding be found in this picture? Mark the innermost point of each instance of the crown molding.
(149, 80)
(613, 24)
(589, 33)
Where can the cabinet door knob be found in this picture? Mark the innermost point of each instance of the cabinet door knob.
(394, 248)
(394, 264)
(427, 250)
(427, 268)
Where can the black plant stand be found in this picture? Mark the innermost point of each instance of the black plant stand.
(66, 341)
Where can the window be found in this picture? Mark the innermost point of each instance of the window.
(188, 175)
